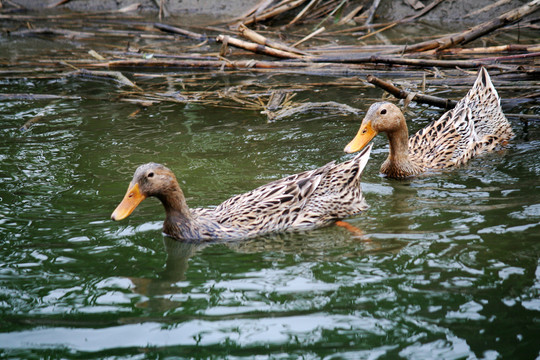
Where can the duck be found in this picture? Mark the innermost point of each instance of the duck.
(474, 126)
(298, 202)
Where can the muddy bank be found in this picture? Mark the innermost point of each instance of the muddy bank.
(447, 13)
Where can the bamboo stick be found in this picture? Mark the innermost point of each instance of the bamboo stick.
(257, 48)
(259, 39)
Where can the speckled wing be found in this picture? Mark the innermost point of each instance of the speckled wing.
(203, 211)
(271, 207)
(477, 124)
(445, 142)
(234, 207)
(302, 201)
(339, 195)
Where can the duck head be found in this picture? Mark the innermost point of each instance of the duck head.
(381, 117)
(149, 180)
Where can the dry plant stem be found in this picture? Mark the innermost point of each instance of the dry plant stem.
(51, 31)
(303, 12)
(116, 75)
(329, 69)
(254, 11)
(477, 31)
(323, 10)
(524, 117)
(257, 9)
(404, 20)
(339, 6)
(259, 39)
(424, 11)
(275, 101)
(315, 33)
(350, 15)
(360, 58)
(15, 5)
(378, 31)
(176, 30)
(371, 11)
(257, 48)
(61, 2)
(41, 114)
(402, 94)
(312, 106)
(487, 50)
(286, 5)
(512, 57)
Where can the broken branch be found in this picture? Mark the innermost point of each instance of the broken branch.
(403, 94)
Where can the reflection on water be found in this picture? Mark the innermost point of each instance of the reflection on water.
(446, 265)
(164, 292)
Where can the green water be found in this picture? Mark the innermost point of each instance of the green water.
(448, 266)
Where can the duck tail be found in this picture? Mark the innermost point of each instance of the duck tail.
(483, 84)
(363, 157)
(485, 105)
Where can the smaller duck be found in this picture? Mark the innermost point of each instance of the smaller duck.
(476, 125)
(302, 201)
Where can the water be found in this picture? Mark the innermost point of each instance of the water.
(447, 265)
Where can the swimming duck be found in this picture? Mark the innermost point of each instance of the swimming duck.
(476, 125)
(302, 201)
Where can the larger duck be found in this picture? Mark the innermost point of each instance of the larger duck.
(476, 125)
(302, 201)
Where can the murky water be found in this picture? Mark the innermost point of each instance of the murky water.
(448, 266)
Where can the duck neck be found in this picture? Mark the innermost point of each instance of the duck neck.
(174, 201)
(178, 216)
(398, 164)
(399, 146)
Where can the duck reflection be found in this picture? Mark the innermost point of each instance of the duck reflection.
(333, 243)
(160, 290)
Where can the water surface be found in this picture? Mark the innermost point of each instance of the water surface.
(447, 264)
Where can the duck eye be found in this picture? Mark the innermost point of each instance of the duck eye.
(150, 174)
(383, 111)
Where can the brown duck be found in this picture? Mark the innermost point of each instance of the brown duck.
(476, 125)
(302, 201)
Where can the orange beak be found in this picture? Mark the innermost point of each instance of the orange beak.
(364, 136)
(131, 200)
